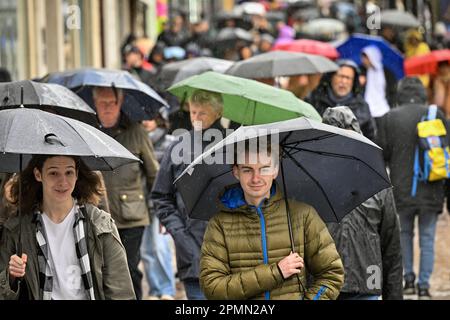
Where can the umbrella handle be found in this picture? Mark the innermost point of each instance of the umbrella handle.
(291, 236)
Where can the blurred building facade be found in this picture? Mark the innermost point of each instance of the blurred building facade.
(42, 36)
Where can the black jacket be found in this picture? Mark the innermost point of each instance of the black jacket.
(321, 100)
(397, 135)
(368, 241)
(170, 209)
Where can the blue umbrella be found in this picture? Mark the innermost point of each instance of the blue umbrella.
(352, 48)
(141, 102)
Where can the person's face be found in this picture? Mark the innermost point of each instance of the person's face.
(149, 125)
(365, 61)
(444, 69)
(388, 33)
(256, 179)
(202, 116)
(201, 27)
(246, 53)
(414, 41)
(58, 177)
(133, 60)
(342, 81)
(177, 24)
(314, 80)
(108, 107)
(265, 46)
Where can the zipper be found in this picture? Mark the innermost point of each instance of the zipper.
(264, 243)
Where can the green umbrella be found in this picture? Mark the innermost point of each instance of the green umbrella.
(247, 102)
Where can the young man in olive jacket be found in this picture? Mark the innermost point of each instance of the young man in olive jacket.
(246, 252)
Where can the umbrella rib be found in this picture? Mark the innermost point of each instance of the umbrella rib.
(315, 181)
(326, 136)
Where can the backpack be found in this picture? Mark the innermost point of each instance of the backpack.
(432, 154)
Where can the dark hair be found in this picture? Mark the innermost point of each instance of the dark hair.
(410, 90)
(88, 188)
(5, 76)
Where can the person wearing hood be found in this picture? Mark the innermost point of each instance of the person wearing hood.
(380, 83)
(397, 136)
(368, 238)
(342, 88)
(205, 109)
(156, 56)
(134, 64)
(246, 252)
(415, 46)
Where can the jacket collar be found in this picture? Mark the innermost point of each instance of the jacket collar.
(233, 199)
(123, 124)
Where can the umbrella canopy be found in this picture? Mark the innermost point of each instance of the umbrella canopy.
(45, 96)
(399, 19)
(352, 48)
(281, 63)
(427, 63)
(247, 101)
(334, 170)
(307, 14)
(310, 46)
(251, 8)
(24, 132)
(229, 36)
(141, 102)
(174, 72)
(324, 28)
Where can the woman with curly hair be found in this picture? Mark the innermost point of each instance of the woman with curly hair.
(71, 249)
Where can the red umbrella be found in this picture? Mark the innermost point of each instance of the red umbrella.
(427, 63)
(311, 47)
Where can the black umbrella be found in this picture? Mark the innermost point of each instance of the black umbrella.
(140, 103)
(332, 169)
(27, 132)
(45, 96)
(281, 63)
(174, 72)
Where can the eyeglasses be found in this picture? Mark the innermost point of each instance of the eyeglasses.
(105, 103)
(344, 77)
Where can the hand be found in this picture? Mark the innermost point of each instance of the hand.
(162, 229)
(291, 265)
(17, 266)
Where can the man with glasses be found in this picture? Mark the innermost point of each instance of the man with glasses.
(246, 251)
(343, 88)
(125, 185)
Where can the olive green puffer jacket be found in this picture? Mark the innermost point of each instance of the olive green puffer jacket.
(243, 245)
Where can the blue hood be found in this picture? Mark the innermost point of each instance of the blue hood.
(233, 197)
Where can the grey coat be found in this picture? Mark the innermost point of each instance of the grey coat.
(169, 208)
